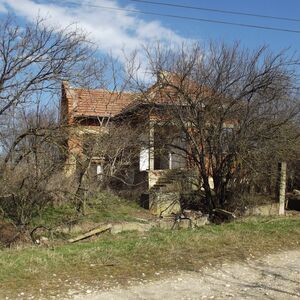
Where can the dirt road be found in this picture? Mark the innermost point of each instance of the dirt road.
(274, 276)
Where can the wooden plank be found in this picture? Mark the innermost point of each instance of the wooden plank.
(100, 229)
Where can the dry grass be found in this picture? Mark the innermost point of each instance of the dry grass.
(116, 259)
(103, 207)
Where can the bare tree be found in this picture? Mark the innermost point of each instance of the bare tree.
(234, 107)
(38, 57)
(34, 59)
(28, 168)
(108, 160)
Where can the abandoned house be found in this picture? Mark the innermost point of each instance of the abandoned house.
(160, 168)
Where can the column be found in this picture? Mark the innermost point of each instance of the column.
(151, 145)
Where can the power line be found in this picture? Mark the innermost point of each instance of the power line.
(231, 12)
(191, 18)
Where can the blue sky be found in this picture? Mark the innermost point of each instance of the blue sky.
(249, 37)
(122, 32)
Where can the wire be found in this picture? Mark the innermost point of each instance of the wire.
(217, 10)
(191, 18)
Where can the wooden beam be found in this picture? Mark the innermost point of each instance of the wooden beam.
(100, 229)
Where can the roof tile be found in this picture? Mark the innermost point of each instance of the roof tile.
(102, 103)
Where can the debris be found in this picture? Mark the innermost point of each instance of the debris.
(90, 233)
(43, 241)
(188, 219)
(41, 229)
(192, 214)
(222, 215)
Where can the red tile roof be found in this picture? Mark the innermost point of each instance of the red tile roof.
(103, 103)
(97, 103)
(100, 102)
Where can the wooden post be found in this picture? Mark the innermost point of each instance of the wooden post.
(282, 187)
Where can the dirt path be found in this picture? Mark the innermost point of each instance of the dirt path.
(274, 276)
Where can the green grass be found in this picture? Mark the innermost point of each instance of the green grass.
(126, 256)
(104, 207)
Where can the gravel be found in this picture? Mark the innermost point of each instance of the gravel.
(275, 276)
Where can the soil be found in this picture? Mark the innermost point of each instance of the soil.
(275, 276)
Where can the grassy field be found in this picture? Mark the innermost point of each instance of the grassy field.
(104, 207)
(111, 260)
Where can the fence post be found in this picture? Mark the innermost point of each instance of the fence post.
(282, 187)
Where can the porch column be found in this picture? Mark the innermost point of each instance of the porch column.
(151, 145)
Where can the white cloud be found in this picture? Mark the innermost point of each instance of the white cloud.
(3, 8)
(114, 31)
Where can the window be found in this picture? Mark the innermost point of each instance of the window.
(144, 159)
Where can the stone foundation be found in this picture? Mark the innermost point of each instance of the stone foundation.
(271, 209)
(164, 204)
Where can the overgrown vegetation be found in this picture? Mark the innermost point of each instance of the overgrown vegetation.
(47, 271)
(232, 115)
(234, 112)
(59, 221)
(102, 207)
